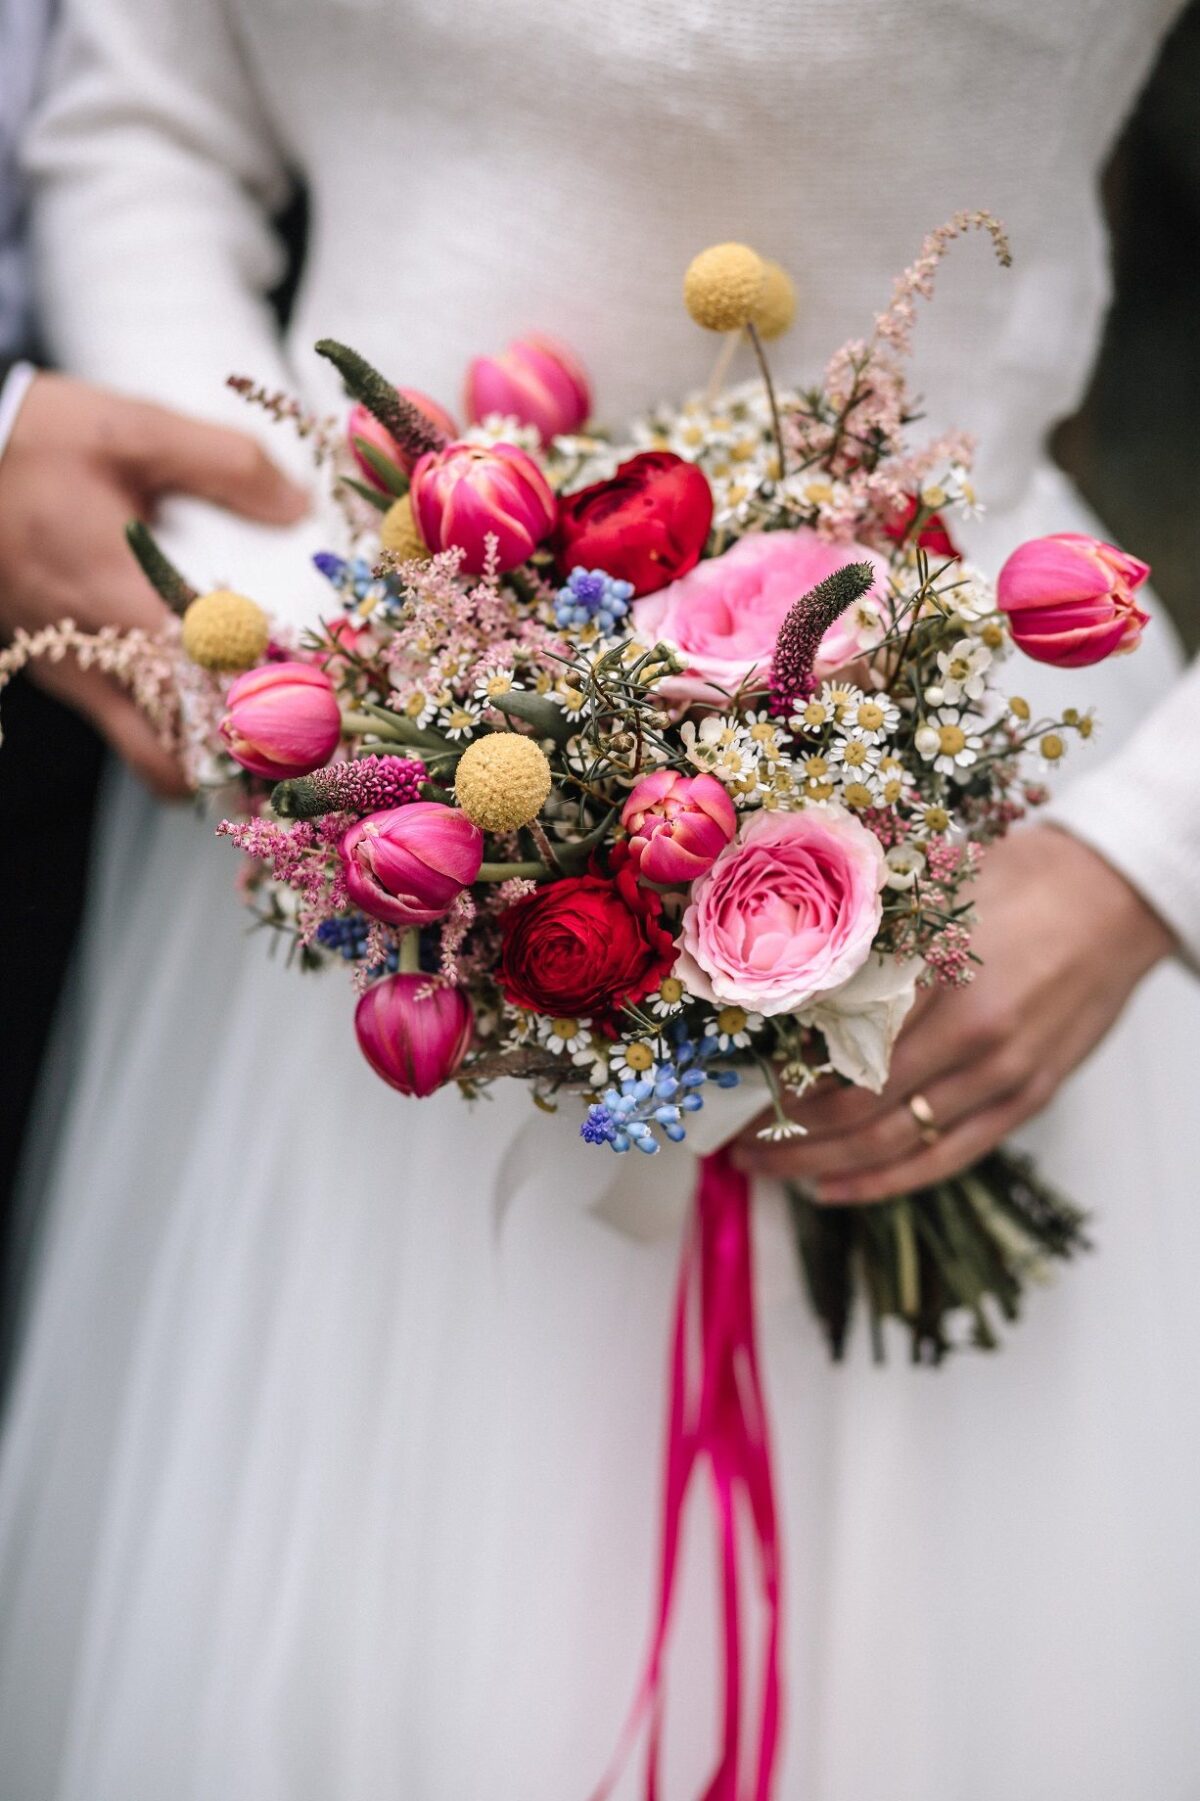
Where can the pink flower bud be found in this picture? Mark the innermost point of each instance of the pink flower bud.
(463, 493)
(413, 1035)
(363, 424)
(406, 865)
(283, 720)
(1070, 599)
(678, 825)
(536, 381)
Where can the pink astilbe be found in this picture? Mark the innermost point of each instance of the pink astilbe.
(149, 666)
(303, 857)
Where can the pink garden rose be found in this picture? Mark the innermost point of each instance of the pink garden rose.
(787, 913)
(1070, 599)
(677, 825)
(724, 616)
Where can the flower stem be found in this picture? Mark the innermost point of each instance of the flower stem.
(410, 953)
(507, 872)
(720, 368)
(756, 342)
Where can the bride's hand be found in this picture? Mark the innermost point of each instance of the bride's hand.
(1063, 941)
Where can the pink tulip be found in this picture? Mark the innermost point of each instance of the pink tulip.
(413, 1035)
(407, 864)
(462, 494)
(283, 720)
(678, 825)
(1070, 599)
(536, 381)
(364, 425)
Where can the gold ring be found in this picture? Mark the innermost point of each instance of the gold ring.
(922, 1112)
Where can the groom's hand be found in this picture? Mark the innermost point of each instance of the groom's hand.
(80, 464)
(1063, 941)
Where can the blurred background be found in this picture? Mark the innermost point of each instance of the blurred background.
(1134, 448)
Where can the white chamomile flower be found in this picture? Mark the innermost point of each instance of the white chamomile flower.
(732, 1027)
(669, 999)
(948, 742)
(420, 706)
(570, 698)
(493, 683)
(564, 1036)
(594, 1057)
(459, 719)
(969, 597)
(630, 1062)
(840, 699)
(893, 781)
(874, 718)
(964, 668)
(780, 1130)
(905, 864)
(767, 735)
(854, 756)
(958, 479)
(504, 428)
(721, 746)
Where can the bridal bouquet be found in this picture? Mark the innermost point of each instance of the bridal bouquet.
(630, 769)
(637, 769)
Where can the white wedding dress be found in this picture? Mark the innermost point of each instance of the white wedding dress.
(332, 1468)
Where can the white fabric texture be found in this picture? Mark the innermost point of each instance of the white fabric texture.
(332, 1467)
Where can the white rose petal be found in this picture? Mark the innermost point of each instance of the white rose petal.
(861, 1019)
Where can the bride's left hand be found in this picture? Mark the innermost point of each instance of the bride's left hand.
(1063, 941)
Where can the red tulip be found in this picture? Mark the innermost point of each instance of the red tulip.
(468, 492)
(536, 381)
(283, 720)
(413, 1034)
(408, 864)
(1070, 599)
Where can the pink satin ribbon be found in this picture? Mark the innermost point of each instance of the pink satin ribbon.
(717, 1413)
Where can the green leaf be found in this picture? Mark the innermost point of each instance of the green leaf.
(381, 501)
(536, 710)
(389, 473)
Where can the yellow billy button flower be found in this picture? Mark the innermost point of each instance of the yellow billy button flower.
(502, 782)
(223, 630)
(777, 303)
(724, 286)
(399, 533)
(1052, 747)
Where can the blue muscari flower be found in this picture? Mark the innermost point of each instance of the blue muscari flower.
(592, 597)
(628, 1116)
(354, 580)
(346, 936)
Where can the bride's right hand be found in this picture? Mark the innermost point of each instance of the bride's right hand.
(80, 464)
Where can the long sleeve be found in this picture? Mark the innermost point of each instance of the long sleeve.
(1141, 811)
(155, 174)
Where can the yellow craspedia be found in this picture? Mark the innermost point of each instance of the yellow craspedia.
(502, 781)
(223, 630)
(776, 304)
(723, 286)
(398, 533)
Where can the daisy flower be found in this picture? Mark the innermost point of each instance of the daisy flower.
(631, 1061)
(459, 719)
(947, 741)
(564, 1036)
(874, 718)
(963, 668)
(669, 999)
(493, 683)
(732, 1028)
(854, 756)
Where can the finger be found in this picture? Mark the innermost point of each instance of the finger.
(928, 1048)
(114, 715)
(971, 1139)
(168, 453)
(895, 1134)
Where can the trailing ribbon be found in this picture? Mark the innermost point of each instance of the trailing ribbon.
(717, 1413)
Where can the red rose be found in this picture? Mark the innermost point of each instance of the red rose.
(646, 526)
(584, 946)
(933, 535)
